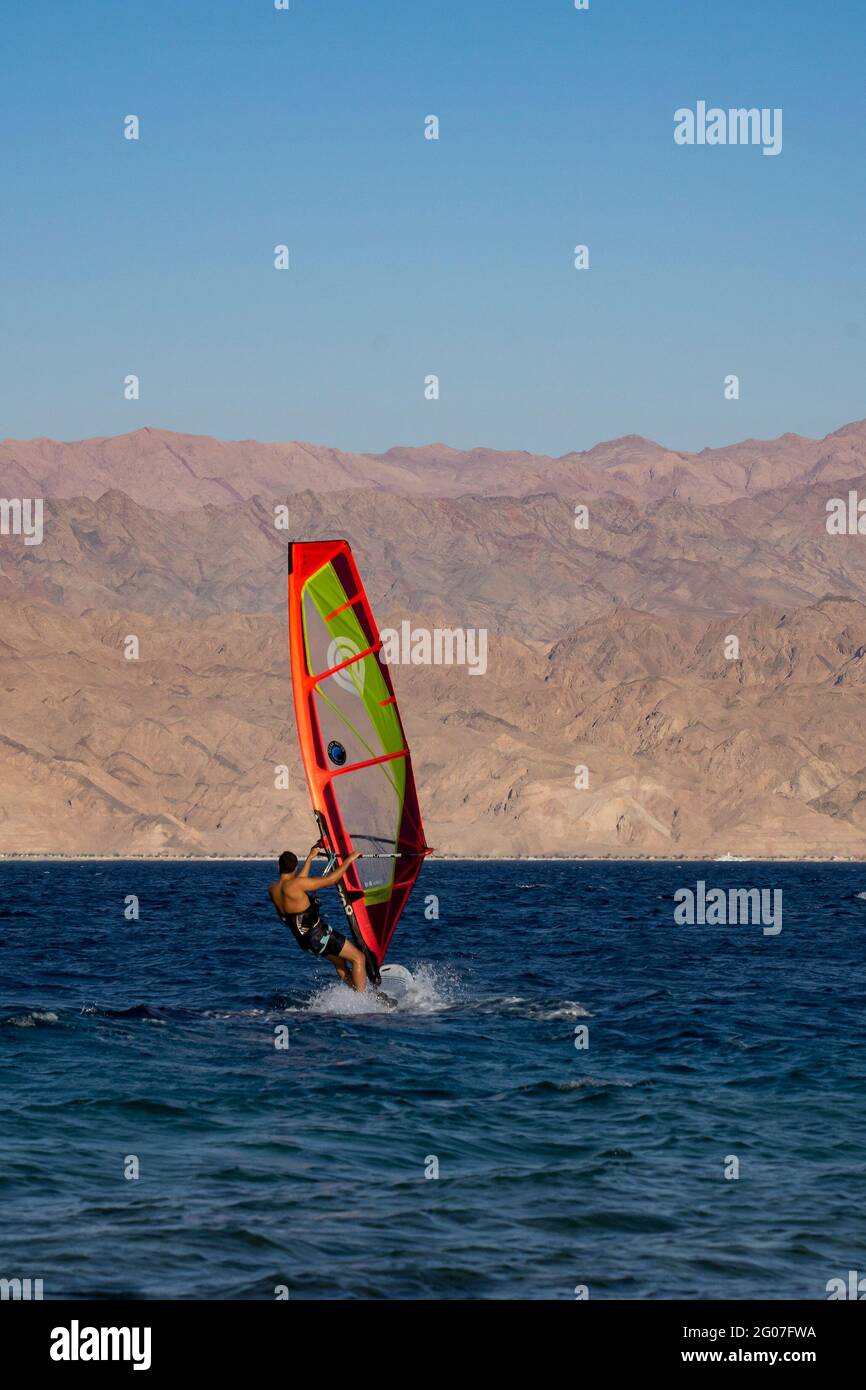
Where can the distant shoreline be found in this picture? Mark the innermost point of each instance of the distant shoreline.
(439, 858)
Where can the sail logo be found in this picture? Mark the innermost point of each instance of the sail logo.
(351, 678)
(22, 516)
(441, 646)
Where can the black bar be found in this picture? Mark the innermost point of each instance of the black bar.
(623, 1337)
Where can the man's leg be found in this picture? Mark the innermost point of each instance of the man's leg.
(356, 963)
(341, 968)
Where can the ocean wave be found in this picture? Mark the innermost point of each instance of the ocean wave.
(433, 989)
(30, 1019)
(538, 1010)
(580, 1083)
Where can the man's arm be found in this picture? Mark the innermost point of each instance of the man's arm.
(304, 872)
(327, 880)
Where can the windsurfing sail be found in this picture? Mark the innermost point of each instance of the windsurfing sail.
(356, 758)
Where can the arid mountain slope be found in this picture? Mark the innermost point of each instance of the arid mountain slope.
(609, 647)
(687, 753)
(509, 564)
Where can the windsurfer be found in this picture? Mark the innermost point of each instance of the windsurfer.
(294, 897)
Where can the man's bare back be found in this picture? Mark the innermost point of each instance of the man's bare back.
(294, 897)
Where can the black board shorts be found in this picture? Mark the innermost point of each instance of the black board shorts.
(323, 940)
(313, 933)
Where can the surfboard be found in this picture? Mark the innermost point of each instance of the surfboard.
(397, 982)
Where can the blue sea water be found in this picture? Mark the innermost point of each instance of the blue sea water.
(304, 1166)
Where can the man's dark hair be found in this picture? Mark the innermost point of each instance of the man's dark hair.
(288, 862)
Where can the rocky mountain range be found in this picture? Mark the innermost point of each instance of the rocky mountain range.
(694, 658)
(171, 472)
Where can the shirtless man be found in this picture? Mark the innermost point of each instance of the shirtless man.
(294, 897)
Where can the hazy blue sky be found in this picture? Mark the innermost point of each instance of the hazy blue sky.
(412, 257)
